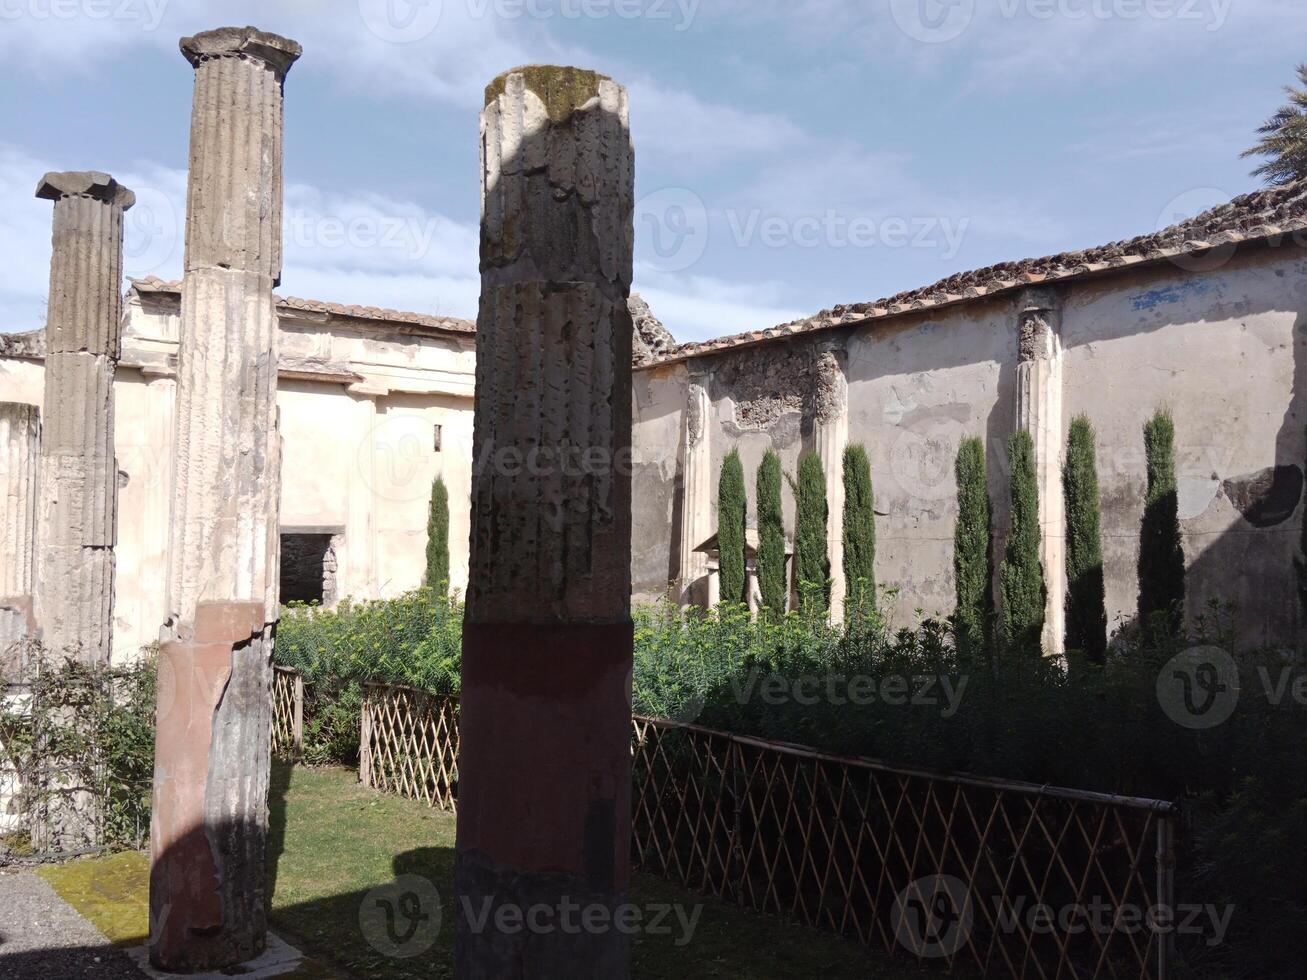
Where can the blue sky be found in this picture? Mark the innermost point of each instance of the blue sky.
(790, 154)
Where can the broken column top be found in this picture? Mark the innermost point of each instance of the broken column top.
(275, 51)
(562, 88)
(84, 183)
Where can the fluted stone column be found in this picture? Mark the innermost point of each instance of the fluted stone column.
(696, 493)
(544, 770)
(79, 471)
(208, 881)
(20, 459)
(831, 435)
(1039, 411)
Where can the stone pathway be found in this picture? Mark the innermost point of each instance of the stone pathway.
(42, 938)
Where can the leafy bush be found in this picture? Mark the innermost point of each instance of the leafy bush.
(414, 640)
(88, 727)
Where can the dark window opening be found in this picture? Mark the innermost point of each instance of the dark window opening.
(308, 568)
(437, 440)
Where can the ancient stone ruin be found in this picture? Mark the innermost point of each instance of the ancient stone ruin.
(208, 876)
(546, 686)
(79, 470)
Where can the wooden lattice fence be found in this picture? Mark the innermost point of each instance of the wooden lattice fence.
(946, 867)
(287, 713)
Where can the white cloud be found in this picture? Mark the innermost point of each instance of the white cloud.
(702, 307)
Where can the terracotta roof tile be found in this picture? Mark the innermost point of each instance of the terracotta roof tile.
(1263, 214)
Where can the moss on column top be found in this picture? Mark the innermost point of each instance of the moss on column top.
(562, 88)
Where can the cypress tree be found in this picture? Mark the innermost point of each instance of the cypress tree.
(771, 535)
(973, 567)
(731, 518)
(438, 537)
(859, 529)
(1022, 576)
(1086, 606)
(811, 559)
(1161, 553)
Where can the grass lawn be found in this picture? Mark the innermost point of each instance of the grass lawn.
(333, 841)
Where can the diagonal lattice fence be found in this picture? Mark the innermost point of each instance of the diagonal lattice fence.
(287, 713)
(409, 744)
(983, 876)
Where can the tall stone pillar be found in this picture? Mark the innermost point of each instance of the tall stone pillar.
(696, 493)
(208, 881)
(544, 791)
(831, 435)
(79, 471)
(1039, 411)
(20, 459)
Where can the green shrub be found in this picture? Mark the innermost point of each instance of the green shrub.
(771, 536)
(859, 531)
(811, 556)
(414, 640)
(438, 537)
(973, 564)
(1022, 576)
(94, 726)
(1086, 608)
(731, 522)
(1161, 553)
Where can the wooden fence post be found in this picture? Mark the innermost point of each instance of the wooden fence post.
(365, 740)
(298, 722)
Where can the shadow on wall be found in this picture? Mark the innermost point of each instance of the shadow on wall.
(1251, 563)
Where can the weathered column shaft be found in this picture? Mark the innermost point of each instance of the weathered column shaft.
(208, 882)
(20, 458)
(696, 493)
(831, 435)
(1039, 411)
(79, 471)
(544, 770)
